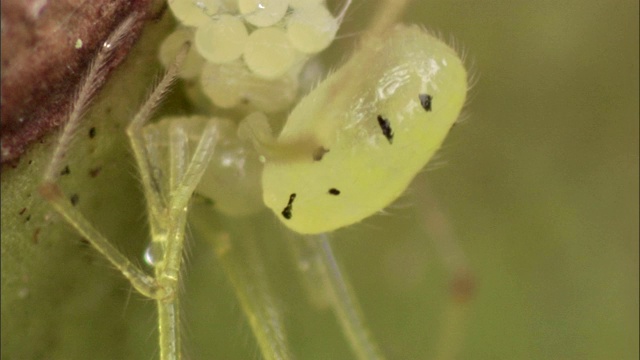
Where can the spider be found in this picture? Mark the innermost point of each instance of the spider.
(170, 172)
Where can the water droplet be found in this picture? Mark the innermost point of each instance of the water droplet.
(153, 253)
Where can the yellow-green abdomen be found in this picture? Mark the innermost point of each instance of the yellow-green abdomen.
(378, 120)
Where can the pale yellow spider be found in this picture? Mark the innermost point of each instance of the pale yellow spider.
(348, 150)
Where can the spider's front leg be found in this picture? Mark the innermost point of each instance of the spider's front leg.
(51, 190)
(166, 205)
(169, 178)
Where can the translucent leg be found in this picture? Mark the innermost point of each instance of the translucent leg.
(320, 267)
(179, 199)
(51, 191)
(149, 170)
(462, 283)
(386, 15)
(167, 201)
(345, 306)
(170, 237)
(236, 248)
(142, 282)
(168, 222)
(166, 207)
(86, 92)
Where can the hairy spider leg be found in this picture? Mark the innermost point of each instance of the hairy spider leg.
(167, 208)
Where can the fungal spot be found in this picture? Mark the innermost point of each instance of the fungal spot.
(319, 153)
(385, 125)
(287, 210)
(28, 218)
(334, 191)
(74, 199)
(92, 132)
(65, 171)
(425, 101)
(95, 171)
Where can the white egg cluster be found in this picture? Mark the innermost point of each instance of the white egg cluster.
(250, 52)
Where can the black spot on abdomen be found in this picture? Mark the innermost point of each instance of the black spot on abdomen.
(425, 101)
(385, 126)
(287, 210)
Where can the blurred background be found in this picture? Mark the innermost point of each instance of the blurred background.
(538, 186)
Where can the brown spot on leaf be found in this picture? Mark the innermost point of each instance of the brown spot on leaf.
(95, 171)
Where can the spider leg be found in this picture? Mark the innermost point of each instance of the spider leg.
(51, 191)
(235, 244)
(327, 286)
(386, 15)
(168, 199)
(168, 221)
(166, 207)
(462, 281)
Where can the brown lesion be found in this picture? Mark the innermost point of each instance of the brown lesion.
(41, 66)
(94, 172)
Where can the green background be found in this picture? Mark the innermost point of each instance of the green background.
(539, 185)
